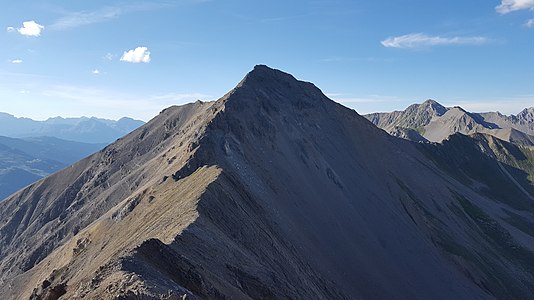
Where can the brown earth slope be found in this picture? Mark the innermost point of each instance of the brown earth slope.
(272, 192)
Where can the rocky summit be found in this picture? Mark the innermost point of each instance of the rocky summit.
(275, 191)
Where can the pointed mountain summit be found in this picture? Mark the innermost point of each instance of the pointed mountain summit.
(434, 106)
(526, 115)
(269, 88)
(415, 117)
(273, 191)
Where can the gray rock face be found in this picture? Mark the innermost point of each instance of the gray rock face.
(272, 192)
(435, 123)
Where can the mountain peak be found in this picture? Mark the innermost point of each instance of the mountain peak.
(271, 180)
(264, 75)
(267, 85)
(527, 114)
(430, 102)
(434, 106)
(261, 67)
(528, 110)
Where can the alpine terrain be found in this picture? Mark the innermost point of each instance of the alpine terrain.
(431, 121)
(275, 191)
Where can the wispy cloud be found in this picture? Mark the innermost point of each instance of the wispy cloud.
(76, 19)
(29, 28)
(108, 56)
(508, 6)
(81, 18)
(529, 23)
(137, 55)
(418, 40)
(16, 61)
(95, 72)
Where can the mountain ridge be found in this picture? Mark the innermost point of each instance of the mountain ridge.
(272, 191)
(83, 129)
(437, 126)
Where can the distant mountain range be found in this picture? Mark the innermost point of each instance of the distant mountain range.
(31, 150)
(24, 161)
(85, 130)
(433, 122)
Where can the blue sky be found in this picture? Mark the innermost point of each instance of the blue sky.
(133, 58)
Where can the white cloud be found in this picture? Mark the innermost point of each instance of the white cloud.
(30, 28)
(508, 6)
(108, 56)
(96, 72)
(138, 55)
(529, 23)
(16, 61)
(416, 40)
(10, 29)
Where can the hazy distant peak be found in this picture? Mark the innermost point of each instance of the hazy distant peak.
(126, 119)
(55, 118)
(5, 115)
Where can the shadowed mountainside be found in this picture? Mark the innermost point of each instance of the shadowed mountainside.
(272, 191)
